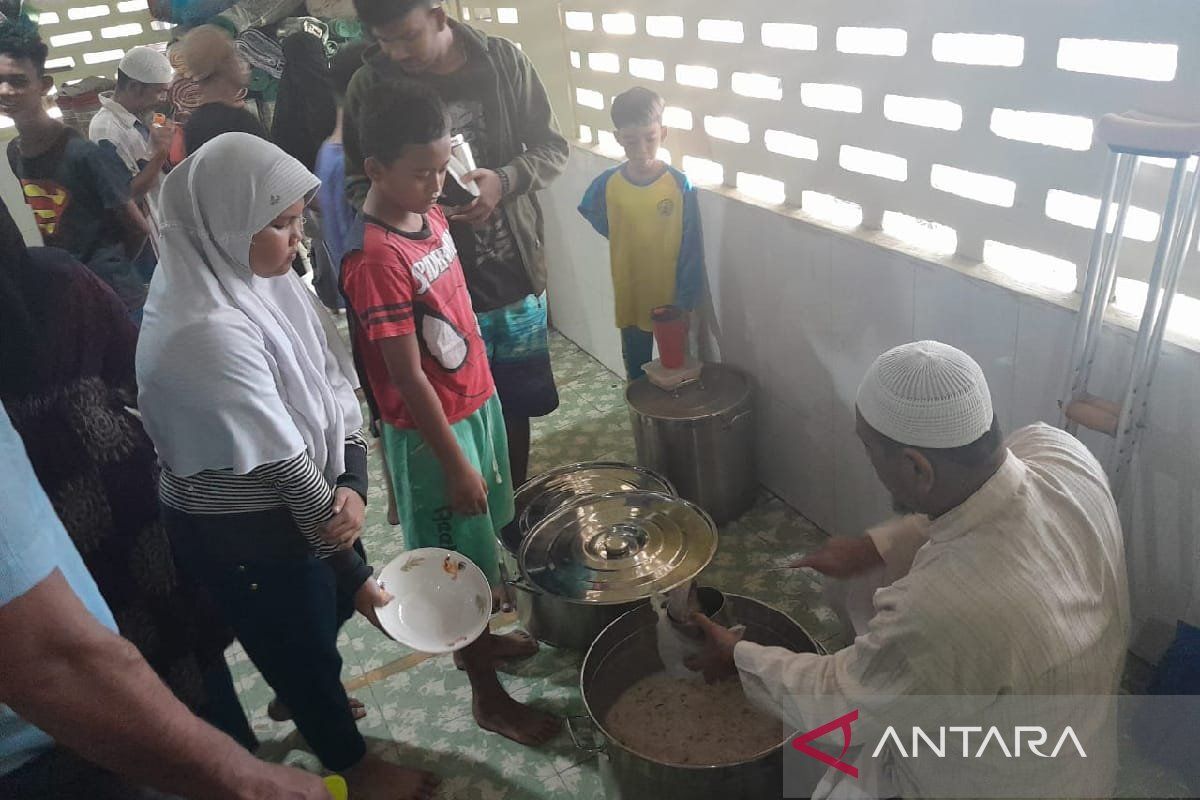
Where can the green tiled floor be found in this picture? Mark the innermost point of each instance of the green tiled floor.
(419, 708)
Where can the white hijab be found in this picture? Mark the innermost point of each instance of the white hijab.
(236, 371)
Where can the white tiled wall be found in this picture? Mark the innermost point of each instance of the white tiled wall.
(805, 310)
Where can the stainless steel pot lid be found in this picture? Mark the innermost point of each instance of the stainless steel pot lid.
(540, 497)
(719, 389)
(618, 547)
(547, 493)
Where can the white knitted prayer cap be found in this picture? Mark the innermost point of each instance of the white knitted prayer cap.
(146, 65)
(926, 394)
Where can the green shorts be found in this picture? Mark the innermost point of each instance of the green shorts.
(419, 483)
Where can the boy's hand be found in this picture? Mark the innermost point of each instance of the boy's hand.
(345, 526)
(481, 208)
(468, 491)
(369, 597)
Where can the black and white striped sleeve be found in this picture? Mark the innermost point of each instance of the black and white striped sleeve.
(306, 494)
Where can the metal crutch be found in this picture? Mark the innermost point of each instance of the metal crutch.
(1130, 136)
(1137, 396)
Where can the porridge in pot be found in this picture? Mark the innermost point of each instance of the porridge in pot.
(690, 722)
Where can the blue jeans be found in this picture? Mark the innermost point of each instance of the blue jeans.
(286, 613)
(637, 347)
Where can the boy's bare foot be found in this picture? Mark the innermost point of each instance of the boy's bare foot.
(278, 711)
(376, 779)
(512, 646)
(494, 709)
(507, 647)
(499, 713)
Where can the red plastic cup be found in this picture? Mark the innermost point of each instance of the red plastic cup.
(670, 332)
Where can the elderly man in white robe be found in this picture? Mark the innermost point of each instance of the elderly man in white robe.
(1004, 577)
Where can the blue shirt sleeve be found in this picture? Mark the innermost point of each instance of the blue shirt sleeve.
(594, 206)
(26, 519)
(33, 543)
(336, 213)
(690, 271)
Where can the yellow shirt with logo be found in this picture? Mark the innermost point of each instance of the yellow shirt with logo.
(653, 231)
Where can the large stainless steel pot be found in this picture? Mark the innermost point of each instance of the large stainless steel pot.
(599, 557)
(625, 652)
(701, 437)
(540, 497)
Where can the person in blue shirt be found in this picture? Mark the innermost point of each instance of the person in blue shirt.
(334, 213)
(77, 700)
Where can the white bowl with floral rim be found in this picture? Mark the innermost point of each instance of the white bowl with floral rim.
(441, 600)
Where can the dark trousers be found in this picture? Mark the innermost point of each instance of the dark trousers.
(59, 774)
(286, 612)
(637, 348)
(222, 709)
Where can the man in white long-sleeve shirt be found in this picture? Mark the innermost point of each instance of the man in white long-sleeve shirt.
(1006, 577)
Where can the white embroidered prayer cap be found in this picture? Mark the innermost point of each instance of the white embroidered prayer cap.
(146, 65)
(926, 394)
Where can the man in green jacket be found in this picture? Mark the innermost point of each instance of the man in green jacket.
(498, 104)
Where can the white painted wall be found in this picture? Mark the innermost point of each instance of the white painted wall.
(805, 309)
(1040, 75)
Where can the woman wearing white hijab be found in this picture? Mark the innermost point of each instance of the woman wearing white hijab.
(257, 427)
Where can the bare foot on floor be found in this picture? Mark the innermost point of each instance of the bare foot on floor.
(376, 779)
(507, 647)
(512, 646)
(279, 712)
(501, 714)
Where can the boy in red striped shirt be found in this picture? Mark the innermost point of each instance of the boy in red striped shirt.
(425, 360)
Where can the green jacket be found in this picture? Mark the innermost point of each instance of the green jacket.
(535, 152)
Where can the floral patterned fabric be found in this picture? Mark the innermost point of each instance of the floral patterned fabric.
(99, 468)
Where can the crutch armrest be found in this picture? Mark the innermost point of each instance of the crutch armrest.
(1095, 414)
(1149, 135)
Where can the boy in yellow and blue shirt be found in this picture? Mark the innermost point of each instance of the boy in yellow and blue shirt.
(650, 214)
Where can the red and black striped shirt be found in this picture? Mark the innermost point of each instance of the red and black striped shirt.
(405, 284)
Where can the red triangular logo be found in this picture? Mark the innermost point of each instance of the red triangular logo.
(842, 723)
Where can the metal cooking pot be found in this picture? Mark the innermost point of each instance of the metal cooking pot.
(701, 437)
(598, 557)
(540, 497)
(624, 653)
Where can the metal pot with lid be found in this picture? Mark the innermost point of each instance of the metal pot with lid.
(598, 557)
(700, 435)
(540, 497)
